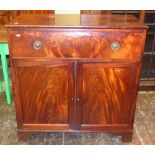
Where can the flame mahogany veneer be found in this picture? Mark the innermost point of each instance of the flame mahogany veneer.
(76, 73)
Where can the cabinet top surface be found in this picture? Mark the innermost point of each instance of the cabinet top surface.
(76, 21)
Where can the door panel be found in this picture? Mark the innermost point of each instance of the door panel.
(45, 92)
(105, 94)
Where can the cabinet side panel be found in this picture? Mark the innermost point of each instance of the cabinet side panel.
(44, 93)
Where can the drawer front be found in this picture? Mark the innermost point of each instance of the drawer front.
(107, 43)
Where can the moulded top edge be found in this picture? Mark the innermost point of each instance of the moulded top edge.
(76, 21)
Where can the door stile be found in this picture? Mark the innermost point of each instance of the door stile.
(79, 95)
(71, 81)
(75, 97)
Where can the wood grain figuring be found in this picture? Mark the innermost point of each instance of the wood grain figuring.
(106, 94)
(84, 44)
(41, 88)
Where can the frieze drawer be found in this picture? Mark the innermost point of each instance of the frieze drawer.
(103, 44)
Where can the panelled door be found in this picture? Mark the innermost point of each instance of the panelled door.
(46, 91)
(104, 95)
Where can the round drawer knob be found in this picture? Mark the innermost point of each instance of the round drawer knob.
(37, 45)
(115, 45)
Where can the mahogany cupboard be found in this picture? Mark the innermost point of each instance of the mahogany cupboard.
(76, 73)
